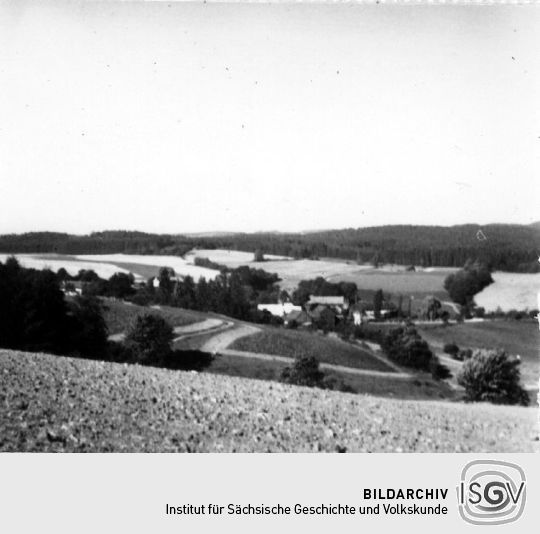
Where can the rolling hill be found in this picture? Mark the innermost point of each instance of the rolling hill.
(58, 404)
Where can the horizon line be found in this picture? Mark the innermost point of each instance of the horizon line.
(202, 233)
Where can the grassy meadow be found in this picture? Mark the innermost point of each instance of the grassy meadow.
(516, 337)
(298, 344)
(419, 388)
(119, 315)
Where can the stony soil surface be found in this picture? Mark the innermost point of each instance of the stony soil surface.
(51, 403)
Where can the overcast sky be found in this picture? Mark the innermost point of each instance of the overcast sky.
(185, 118)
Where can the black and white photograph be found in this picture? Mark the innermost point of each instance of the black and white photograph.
(269, 227)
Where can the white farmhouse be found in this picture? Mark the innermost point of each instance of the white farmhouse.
(279, 310)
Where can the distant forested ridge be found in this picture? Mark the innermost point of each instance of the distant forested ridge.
(503, 247)
(109, 242)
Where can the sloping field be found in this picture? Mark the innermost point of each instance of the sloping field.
(290, 271)
(181, 266)
(389, 386)
(230, 258)
(511, 291)
(516, 337)
(51, 403)
(105, 265)
(416, 283)
(71, 264)
(297, 344)
(120, 315)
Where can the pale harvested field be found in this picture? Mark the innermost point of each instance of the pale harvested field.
(390, 278)
(290, 271)
(181, 266)
(511, 291)
(70, 263)
(230, 258)
(51, 403)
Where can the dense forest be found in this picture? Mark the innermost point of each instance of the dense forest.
(500, 246)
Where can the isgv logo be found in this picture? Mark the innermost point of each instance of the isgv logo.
(491, 492)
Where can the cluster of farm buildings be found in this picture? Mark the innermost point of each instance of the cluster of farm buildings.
(327, 309)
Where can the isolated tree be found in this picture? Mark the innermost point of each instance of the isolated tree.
(96, 288)
(492, 376)
(88, 328)
(284, 296)
(150, 285)
(87, 275)
(258, 256)
(63, 275)
(327, 320)
(150, 339)
(349, 290)
(186, 293)
(406, 347)
(166, 285)
(377, 303)
(452, 349)
(237, 300)
(120, 285)
(204, 298)
(433, 307)
(304, 372)
(463, 285)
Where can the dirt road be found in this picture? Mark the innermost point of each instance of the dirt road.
(221, 341)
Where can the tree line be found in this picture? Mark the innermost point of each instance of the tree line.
(503, 247)
(35, 316)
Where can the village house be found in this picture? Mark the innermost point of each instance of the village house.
(338, 304)
(357, 314)
(280, 309)
(72, 288)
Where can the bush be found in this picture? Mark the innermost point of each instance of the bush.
(492, 376)
(407, 348)
(479, 311)
(87, 327)
(452, 349)
(258, 256)
(118, 352)
(143, 297)
(187, 360)
(335, 383)
(464, 284)
(439, 371)
(150, 339)
(120, 285)
(464, 354)
(304, 372)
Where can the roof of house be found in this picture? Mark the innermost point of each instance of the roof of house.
(329, 301)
